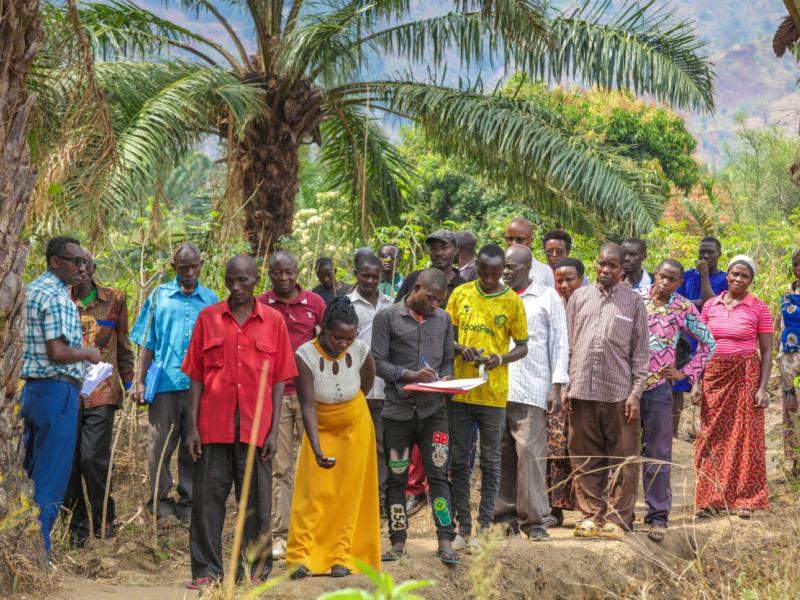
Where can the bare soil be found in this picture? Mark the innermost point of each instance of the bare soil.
(135, 566)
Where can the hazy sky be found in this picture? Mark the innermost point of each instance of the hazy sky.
(738, 34)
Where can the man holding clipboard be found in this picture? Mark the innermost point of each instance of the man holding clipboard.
(412, 342)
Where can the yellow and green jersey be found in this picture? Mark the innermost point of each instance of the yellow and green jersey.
(490, 322)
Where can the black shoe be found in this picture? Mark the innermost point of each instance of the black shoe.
(558, 513)
(301, 572)
(414, 504)
(340, 571)
(184, 514)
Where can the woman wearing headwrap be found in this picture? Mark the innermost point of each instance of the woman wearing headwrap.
(789, 366)
(730, 455)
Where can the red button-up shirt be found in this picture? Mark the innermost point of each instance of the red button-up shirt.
(302, 316)
(227, 358)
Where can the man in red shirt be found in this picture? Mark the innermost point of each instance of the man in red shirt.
(302, 312)
(231, 343)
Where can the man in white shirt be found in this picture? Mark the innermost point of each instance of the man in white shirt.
(520, 231)
(523, 502)
(367, 301)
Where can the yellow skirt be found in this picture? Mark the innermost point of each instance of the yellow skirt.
(335, 512)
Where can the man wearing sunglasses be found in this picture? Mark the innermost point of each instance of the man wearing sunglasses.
(53, 369)
(520, 231)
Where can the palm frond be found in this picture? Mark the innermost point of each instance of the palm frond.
(361, 162)
(538, 151)
(161, 111)
(121, 29)
(644, 49)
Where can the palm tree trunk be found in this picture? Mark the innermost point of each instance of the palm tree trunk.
(269, 167)
(20, 35)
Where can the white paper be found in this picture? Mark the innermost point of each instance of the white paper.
(455, 384)
(95, 375)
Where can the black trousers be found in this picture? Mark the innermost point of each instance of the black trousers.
(90, 464)
(432, 435)
(219, 466)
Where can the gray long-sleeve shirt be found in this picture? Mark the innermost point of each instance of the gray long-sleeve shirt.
(399, 344)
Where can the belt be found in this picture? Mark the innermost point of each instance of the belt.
(76, 383)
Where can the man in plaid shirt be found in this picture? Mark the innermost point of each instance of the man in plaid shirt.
(53, 368)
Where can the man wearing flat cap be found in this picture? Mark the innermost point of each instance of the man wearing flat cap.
(442, 248)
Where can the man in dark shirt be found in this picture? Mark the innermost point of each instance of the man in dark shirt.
(328, 289)
(442, 248)
(412, 342)
(466, 255)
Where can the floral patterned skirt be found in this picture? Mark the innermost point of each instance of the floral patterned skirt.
(560, 484)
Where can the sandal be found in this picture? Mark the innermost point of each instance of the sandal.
(656, 532)
(707, 513)
(394, 554)
(340, 571)
(745, 513)
(611, 531)
(586, 529)
(301, 572)
(448, 557)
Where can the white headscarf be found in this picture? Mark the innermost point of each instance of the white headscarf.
(743, 258)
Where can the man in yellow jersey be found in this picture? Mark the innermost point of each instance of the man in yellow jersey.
(486, 316)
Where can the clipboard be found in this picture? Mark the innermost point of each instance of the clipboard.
(456, 386)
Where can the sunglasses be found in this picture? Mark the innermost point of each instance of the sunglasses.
(515, 240)
(75, 260)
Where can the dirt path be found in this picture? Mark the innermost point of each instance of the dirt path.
(564, 566)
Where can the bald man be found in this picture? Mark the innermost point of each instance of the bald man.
(163, 330)
(520, 231)
(104, 321)
(522, 503)
(302, 312)
(609, 357)
(232, 343)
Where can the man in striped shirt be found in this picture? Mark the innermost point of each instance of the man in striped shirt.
(522, 501)
(608, 341)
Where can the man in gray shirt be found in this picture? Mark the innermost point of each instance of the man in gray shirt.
(412, 342)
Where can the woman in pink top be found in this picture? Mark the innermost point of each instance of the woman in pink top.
(730, 454)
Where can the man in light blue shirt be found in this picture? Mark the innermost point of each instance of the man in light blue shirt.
(163, 330)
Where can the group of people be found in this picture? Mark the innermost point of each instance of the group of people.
(583, 387)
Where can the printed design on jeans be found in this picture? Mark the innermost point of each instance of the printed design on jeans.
(442, 512)
(397, 517)
(441, 447)
(397, 462)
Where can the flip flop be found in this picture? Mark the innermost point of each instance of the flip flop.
(745, 513)
(448, 557)
(394, 554)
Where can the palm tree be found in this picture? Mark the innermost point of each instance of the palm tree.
(311, 80)
(20, 36)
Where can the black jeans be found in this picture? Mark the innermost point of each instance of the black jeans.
(219, 466)
(432, 435)
(490, 421)
(90, 463)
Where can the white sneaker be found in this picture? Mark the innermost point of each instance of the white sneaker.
(459, 543)
(279, 549)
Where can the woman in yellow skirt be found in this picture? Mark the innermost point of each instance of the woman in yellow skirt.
(335, 507)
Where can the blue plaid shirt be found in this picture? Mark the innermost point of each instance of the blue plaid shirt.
(51, 314)
(170, 329)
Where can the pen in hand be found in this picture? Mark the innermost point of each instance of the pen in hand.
(427, 366)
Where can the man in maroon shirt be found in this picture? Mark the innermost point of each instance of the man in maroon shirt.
(302, 311)
(232, 342)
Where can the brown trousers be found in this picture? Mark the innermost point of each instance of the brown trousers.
(600, 441)
(290, 432)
